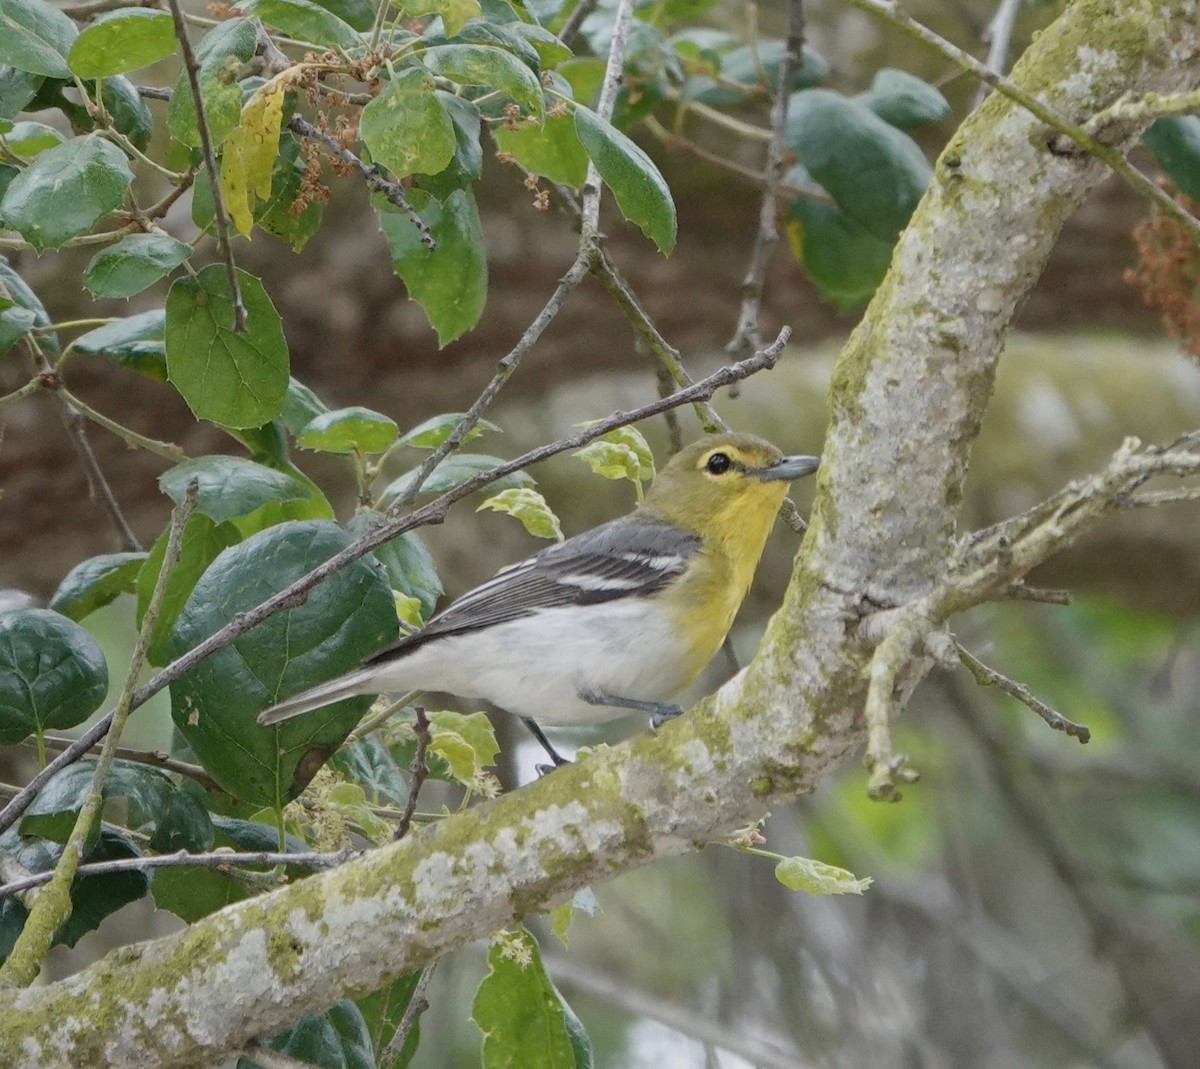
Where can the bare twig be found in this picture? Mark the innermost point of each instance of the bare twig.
(166, 450)
(391, 190)
(219, 860)
(99, 7)
(571, 27)
(998, 36)
(150, 758)
(417, 1005)
(376, 535)
(419, 770)
(1020, 592)
(987, 677)
(97, 483)
(220, 216)
(747, 336)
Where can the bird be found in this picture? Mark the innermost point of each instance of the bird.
(620, 618)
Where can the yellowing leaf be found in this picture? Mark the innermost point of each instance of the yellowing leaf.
(249, 156)
(620, 454)
(407, 609)
(804, 874)
(530, 508)
(467, 743)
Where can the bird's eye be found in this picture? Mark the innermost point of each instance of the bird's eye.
(717, 464)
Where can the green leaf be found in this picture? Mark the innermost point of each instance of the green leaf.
(184, 824)
(754, 66)
(344, 619)
(528, 506)
(466, 742)
(35, 37)
(203, 540)
(640, 190)
(620, 454)
(904, 100)
(52, 673)
(467, 163)
(305, 21)
(406, 127)
(230, 486)
(348, 430)
(519, 1011)
(383, 1010)
(368, 763)
(236, 380)
(52, 813)
(490, 35)
(276, 216)
(122, 40)
(435, 430)
(804, 874)
(1175, 142)
(17, 89)
(562, 916)
(359, 14)
(843, 260)
(408, 562)
(27, 139)
(551, 51)
(300, 407)
(552, 150)
(21, 311)
(457, 468)
(486, 66)
(338, 1039)
(65, 190)
(129, 112)
(221, 54)
(874, 172)
(455, 13)
(135, 342)
(449, 282)
(93, 583)
(133, 263)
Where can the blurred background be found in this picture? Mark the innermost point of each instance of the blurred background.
(1035, 902)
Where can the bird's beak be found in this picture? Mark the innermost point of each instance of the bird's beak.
(788, 468)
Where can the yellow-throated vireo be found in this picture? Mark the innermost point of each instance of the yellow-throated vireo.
(621, 617)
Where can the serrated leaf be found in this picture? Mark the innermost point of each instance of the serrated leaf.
(466, 742)
(620, 454)
(134, 342)
(843, 260)
(490, 67)
(1175, 142)
(457, 468)
(406, 127)
(874, 172)
(236, 380)
(248, 161)
(93, 583)
(804, 874)
(904, 100)
(640, 190)
(35, 37)
(552, 150)
(133, 263)
(66, 190)
(228, 487)
(455, 13)
(528, 506)
(122, 40)
(449, 282)
(344, 619)
(221, 54)
(305, 21)
(300, 406)
(52, 673)
(435, 430)
(519, 1011)
(129, 112)
(27, 139)
(348, 430)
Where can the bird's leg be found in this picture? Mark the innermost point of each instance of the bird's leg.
(540, 735)
(660, 712)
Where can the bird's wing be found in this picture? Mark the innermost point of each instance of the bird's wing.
(625, 558)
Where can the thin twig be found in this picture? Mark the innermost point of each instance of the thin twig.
(1021, 592)
(97, 483)
(219, 860)
(28, 390)
(52, 906)
(220, 216)
(392, 190)
(571, 27)
(989, 677)
(376, 535)
(150, 758)
(622, 21)
(166, 450)
(99, 7)
(419, 769)
(417, 1005)
(998, 36)
(747, 336)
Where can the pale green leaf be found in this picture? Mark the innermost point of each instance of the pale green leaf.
(818, 878)
(528, 506)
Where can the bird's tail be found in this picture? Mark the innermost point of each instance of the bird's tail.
(359, 681)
